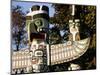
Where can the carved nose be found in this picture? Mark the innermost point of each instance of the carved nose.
(74, 25)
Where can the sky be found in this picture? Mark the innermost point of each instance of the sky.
(27, 5)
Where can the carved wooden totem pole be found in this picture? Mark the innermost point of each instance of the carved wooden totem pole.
(37, 24)
(44, 54)
(73, 48)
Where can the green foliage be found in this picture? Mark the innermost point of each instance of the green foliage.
(54, 36)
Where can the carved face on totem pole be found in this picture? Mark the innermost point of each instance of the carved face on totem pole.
(37, 21)
(74, 29)
(37, 25)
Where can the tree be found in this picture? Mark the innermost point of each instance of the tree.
(54, 36)
(17, 27)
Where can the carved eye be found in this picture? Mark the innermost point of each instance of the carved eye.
(38, 22)
(38, 53)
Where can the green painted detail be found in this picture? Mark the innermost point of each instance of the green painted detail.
(38, 22)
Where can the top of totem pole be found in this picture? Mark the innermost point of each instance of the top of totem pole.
(36, 9)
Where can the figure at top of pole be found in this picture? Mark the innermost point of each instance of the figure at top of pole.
(37, 22)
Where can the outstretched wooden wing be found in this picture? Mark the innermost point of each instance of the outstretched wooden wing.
(69, 51)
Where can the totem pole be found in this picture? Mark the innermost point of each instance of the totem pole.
(73, 48)
(37, 26)
(74, 26)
